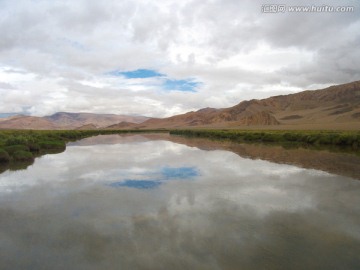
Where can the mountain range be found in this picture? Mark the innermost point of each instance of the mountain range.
(65, 120)
(335, 107)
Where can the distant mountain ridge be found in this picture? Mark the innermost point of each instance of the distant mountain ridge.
(335, 107)
(75, 120)
(65, 120)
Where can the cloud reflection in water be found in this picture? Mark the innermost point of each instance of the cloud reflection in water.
(239, 213)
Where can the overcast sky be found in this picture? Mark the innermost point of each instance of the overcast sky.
(159, 58)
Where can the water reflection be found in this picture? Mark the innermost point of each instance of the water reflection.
(165, 174)
(22, 165)
(208, 210)
(142, 184)
(341, 163)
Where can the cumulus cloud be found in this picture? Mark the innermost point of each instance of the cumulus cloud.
(57, 55)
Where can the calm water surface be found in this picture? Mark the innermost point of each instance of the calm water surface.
(162, 202)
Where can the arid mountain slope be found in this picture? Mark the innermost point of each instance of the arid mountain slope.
(26, 122)
(87, 127)
(336, 105)
(74, 120)
(122, 125)
(63, 120)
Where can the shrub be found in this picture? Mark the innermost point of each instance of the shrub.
(4, 156)
(290, 137)
(325, 140)
(52, 145)
(16, 140)
(14, 148)
(311, 139)
(34, 147)
(22, 156)
(250, 137)
(341, 140)
(271, 137)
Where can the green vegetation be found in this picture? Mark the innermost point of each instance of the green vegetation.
(349, 139)
(52, 145)
(11, 149)
(25, 145)
(4, 156)
(22, 156)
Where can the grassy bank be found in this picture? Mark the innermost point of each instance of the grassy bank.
(18, 146)
(327, 138)
(25, 145)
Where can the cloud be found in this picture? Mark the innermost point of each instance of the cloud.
(218, 52)
(4, 85)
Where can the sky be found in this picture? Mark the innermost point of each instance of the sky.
(160, 58)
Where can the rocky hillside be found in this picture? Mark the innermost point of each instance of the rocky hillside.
(336, 106)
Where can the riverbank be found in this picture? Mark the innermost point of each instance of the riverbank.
(349, 139)
(25, 145)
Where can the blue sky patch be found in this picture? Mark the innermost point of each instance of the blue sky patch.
(180, 85)
(163, 81)
(137, 74)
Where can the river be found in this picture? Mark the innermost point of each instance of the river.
(156, 201)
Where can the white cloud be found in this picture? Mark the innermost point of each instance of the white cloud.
(54, 55)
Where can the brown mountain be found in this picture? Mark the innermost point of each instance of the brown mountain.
(123, 125)
(75, 120)
(335, 107)
(87, 127)
(26, 122)
(63, 120)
